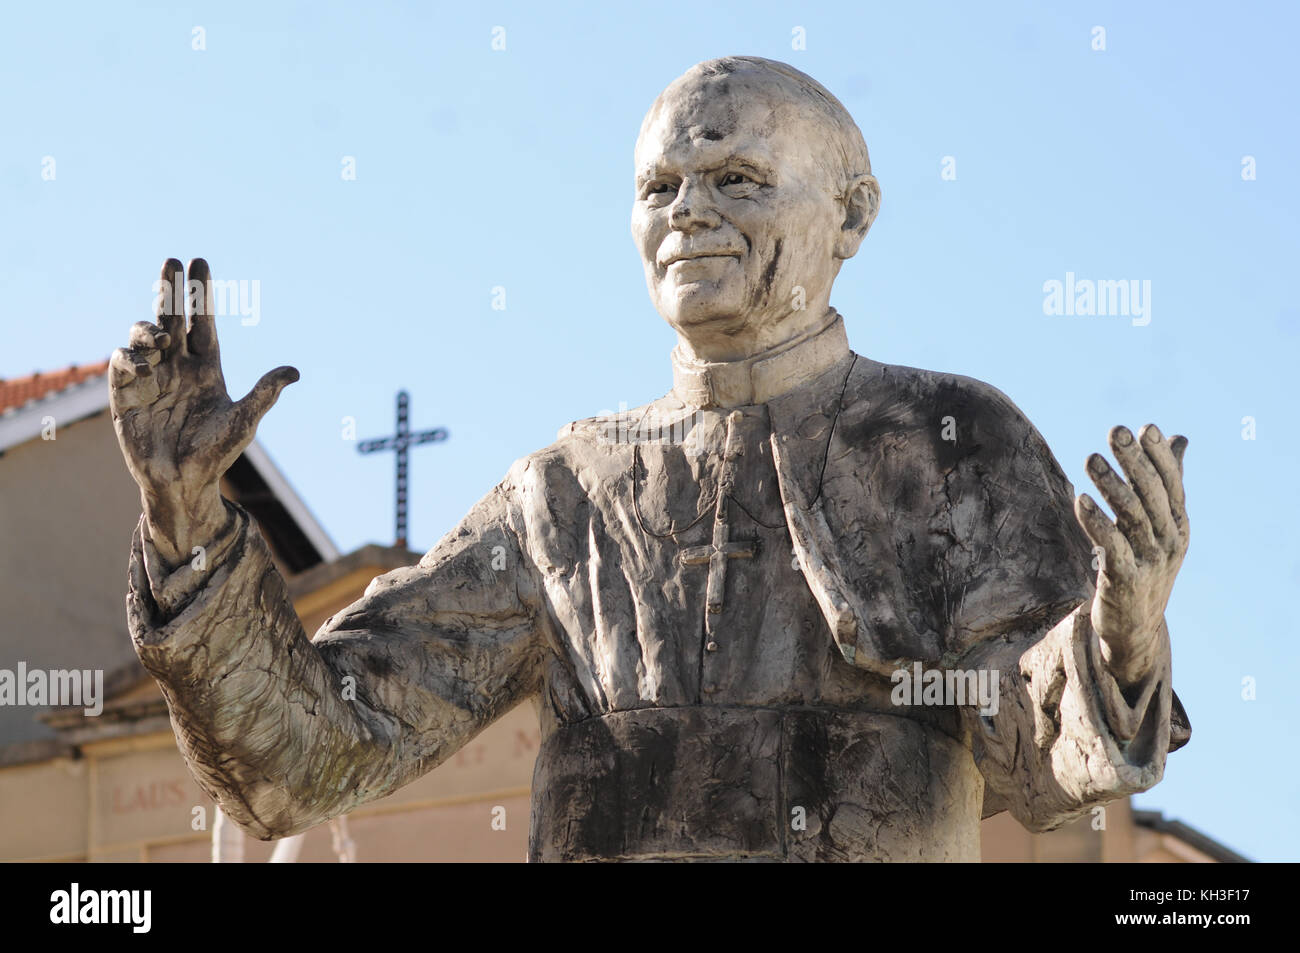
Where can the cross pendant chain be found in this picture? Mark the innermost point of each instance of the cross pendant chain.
(721, 549)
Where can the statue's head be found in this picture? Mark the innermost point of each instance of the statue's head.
(752, 186)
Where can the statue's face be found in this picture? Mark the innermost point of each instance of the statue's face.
(736, 206)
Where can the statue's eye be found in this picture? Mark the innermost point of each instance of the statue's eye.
(735, 178)
(663, 188)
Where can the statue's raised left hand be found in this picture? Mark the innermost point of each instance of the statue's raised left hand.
(1140, 551)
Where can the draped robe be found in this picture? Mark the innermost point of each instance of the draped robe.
(708, 599)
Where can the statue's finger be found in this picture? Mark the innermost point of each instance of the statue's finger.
(1117, 555)
(121, 368)
(1179, 446)
(169, 310)
(267, 391)
(1146, 483)
(149, 358)
(146, 359)
(203, 319)
(1130, 517)
(127, 388)
(252, 407)
(1166, 464)
(147, 335)
(148, 368)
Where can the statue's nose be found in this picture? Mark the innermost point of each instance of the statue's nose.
(693, 208)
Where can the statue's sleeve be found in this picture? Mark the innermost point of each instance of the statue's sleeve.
(1064, 737)
(1061, 736)
(286, 732)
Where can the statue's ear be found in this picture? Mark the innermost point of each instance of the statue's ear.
(861, 204)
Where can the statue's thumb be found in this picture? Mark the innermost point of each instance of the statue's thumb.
(265, 393)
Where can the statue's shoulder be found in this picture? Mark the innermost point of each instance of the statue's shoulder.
(592, 445)
(898, 397)
(589, 429)
(619, 428)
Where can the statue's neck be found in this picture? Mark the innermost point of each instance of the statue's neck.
(763, 376)
(713, 345)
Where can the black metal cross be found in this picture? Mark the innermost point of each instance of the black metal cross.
(401, 442)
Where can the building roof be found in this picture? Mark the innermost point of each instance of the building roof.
(1156, 821)
(17, 391)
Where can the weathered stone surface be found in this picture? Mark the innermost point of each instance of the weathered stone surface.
(754, 784)
(718, 599)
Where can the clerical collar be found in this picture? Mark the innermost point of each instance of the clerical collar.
(758, 379)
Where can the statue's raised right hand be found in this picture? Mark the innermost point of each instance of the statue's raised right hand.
(178, 428)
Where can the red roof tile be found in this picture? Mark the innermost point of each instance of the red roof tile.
(20, 390)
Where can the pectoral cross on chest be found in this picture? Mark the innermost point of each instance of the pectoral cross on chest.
(717, 553)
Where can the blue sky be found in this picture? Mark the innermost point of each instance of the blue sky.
(479, 168)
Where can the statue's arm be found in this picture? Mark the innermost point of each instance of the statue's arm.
(1067, 606)
(286, 732)
(1086, 709)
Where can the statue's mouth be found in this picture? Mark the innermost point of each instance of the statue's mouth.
(698, 256)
